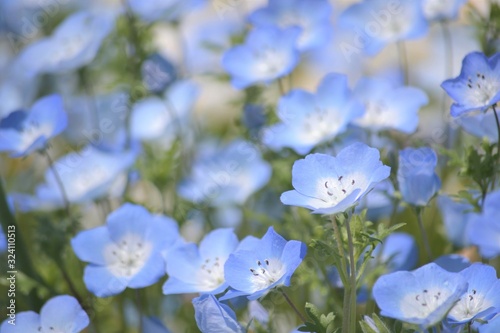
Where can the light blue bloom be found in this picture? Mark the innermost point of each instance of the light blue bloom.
(74, 44)
(308, 120)
(158, 73)
(378, 23)
(86, 175)
(478, 85)
(193, 269)
(389, 106)
(422, 297)
(399, 252)
(223, 176)
(379, 202)
(214, 317)
(485, 232)
(267, 54)
(453, 262)
(22, 133)
(456, 217)
(330, 185)
(493, 326)
(3, 241)
(313, 17)
(482, 125)
(162, 119)
(255, 269)
(418, 182)
(256, 312)
(153, 325)
(127, 251)
(59, 314)
(441, 10)
(482, 297)
(154, 10)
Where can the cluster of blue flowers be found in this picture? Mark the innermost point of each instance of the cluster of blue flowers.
(145, 144)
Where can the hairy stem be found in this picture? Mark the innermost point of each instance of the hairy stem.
(59, 182)
(294, 308)
(352, 283)
(425, 238)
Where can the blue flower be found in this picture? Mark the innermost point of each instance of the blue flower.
(308, 120)
(127, 251)
(86, 175)
(440, 10)
(59, 314)
(224, 177)
(378, 23)
(456, 217)
(330, 185)
(158, 73)
(493, 326)
(478, 85)
(482, 297)
(162, 119)
(193, 269)
(214, 317)
(453, 262)
(73, 44)
(154, 10)
(22, 133)
(313, 17)
(422, 297)
(389, 106)
(379, 202)
(3, 241)
(418, 182)
(268, 54)
(264, 264)
(486, 231)
(153, 325)
(398, 252)
(482, 125)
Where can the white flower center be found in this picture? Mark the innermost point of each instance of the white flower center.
(482, 88)
(421, 305)
(211, 273)
(334, 190)
(319, 125)
(32, 131)
(270, 61)
(127, 257)
(470, 305)
(265, 273)
(377, 115)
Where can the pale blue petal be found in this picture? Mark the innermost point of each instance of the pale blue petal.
(89, 245)
(102, 283)
(63, 314)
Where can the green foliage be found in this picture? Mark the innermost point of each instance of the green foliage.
(320, 323)
(374, 324)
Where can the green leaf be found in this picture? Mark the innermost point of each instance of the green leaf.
(320, 323)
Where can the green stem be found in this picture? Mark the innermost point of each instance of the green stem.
(352, 284)
(340, 248)
(289, 301)
(281, 86)
(70, 284)
(138, 300)
(498, 129)
(427, 246)
(59, 182)
(23, 260)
